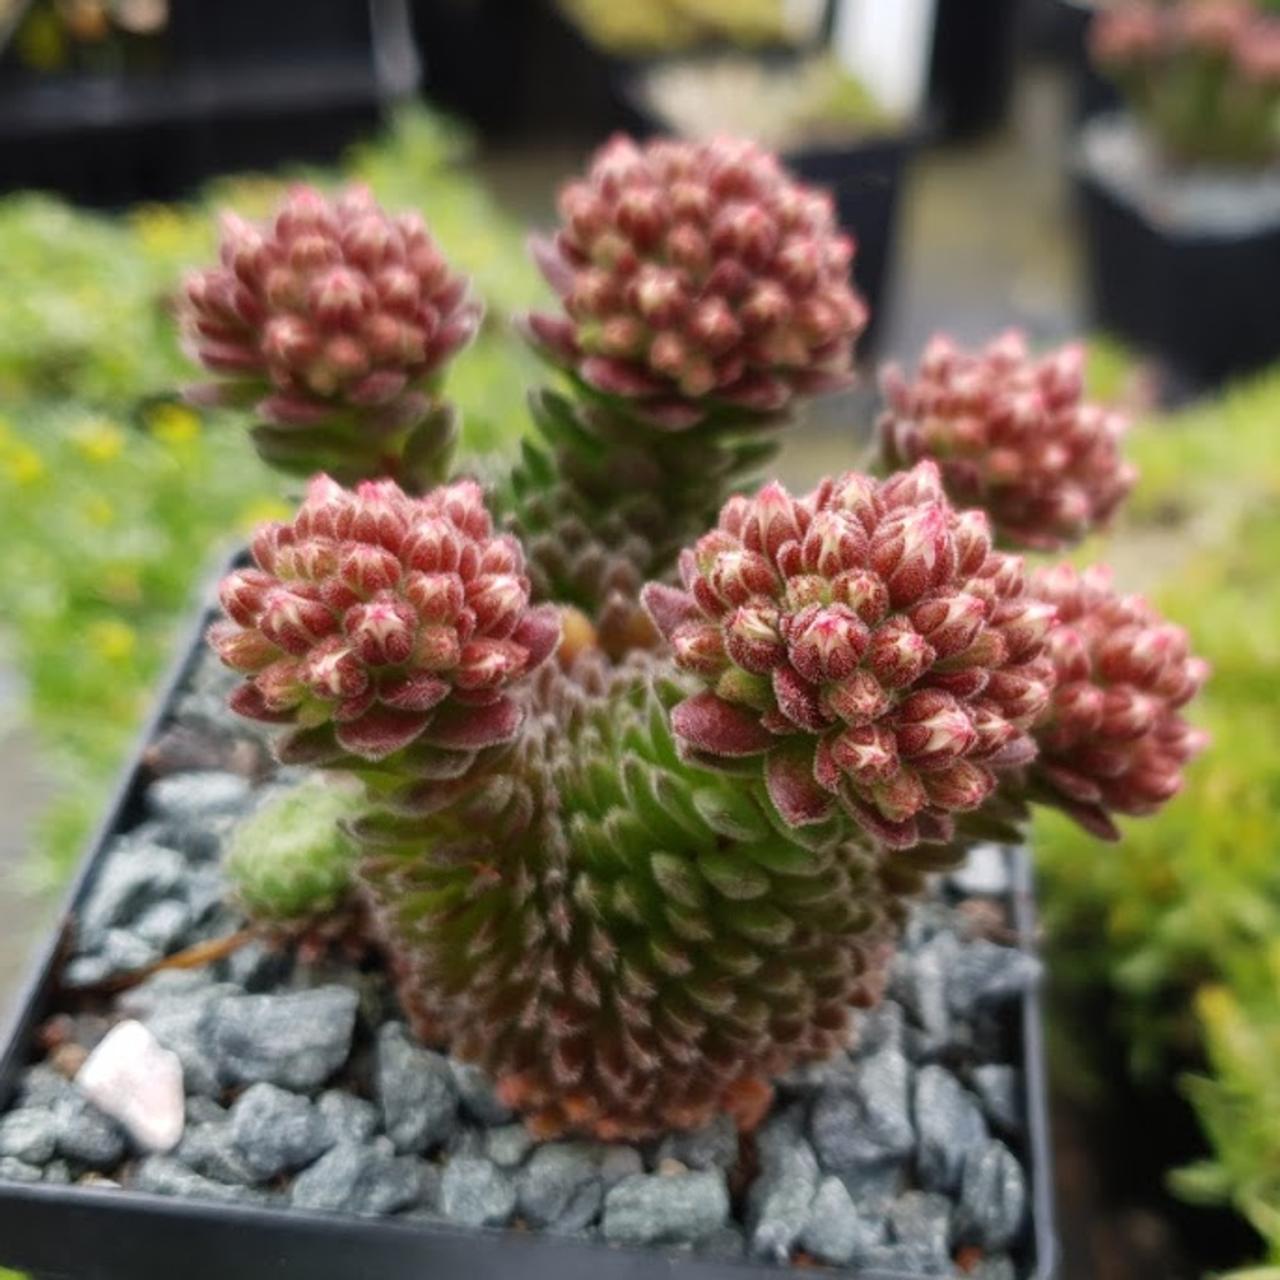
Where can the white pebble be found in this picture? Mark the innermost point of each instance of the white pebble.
(132, 1078)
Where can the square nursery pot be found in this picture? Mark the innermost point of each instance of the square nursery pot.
(866, 177)
(107, 1233)
(1201, 299)
(973, 64)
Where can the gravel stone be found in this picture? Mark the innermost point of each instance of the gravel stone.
(997, 1268)
(122, 952)
(42, 1086)
(921, 1222)
(85, 1135)
(476, 1193)
(257, 967)
(296, 1041)
(165, 926)
(189, 798)
(985, 873)
(561, 1188)
(57, 1174)
(475, 1091)
(508, 1146)
(950, 1125)
(780, 1201)
(871, 1123)
(347, 1118)
(210, 1150)
(993, 1198)
(204, 1111)
(277, 1131)
(713, 1147)
(135, 1080)
(647, 1209)
(416, 1089)
(134, 877)
(167, 1176)
(618, 1162)
(14, 1170)
(178, 1020)
(368, 1179)
(999, 1089)
(872, 1186)
(879, 1028)
(986, 973)
(29, 1134)
(920, 980)
(726, 1244)
(836, 1232)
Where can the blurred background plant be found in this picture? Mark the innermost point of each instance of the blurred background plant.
(114, 499)
(669, 26)
(1202, 75)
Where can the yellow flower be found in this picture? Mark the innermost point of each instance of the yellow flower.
(99, 440)
(261, 510)
(160, 228)
(173, 424)
(112, 639)
(22, 465)
(98, 511)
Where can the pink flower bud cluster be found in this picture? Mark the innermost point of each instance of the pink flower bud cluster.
(1137, 35)
(384, 620)
(868, 643)
(1112, 739)
(1012, 435)
(332, 307)
(696, 275)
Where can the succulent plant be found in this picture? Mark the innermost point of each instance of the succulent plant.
(1203, 74)
(1013, 435)
(375, 621)
(290, 862)
(627, 943)
(333, 321)
(1112, 739)
(865, 647)
(698, 278)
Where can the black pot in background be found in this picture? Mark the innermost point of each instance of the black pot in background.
(1092, 93)
(1206, 304)
(102, 1234)
(973, 64)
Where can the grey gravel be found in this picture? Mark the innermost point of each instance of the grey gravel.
(416, 1090)
(1000, 1091)
(997, 1268)
(58, 1173)
(950, 1126)
(181, 1020)
(650, 1209)
(257, 966)
(296, 1041)
(508, 1146)
(985, 973)
(836, 1232)
(713, 1147)
(920, 980)
(211, 1150)
(277, 1131)
(561, 1188)
(476, 1193)
(347, 1118)
(618, 1162)
(202, 1110)
(133, 878)
(30, 1134)
(475, 1091)
(191, 798)
(120, 952)
(165, 926)
(366, 1179)
(726, 1244)
(166, 1176)
(780, 1200)
(871, 1123)
(993, 1198)
(14, 1170)
(921, 1222)
(85, 1135)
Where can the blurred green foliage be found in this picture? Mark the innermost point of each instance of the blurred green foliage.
(114, 500)
(1189, 902)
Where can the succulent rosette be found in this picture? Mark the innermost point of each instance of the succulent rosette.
(1011, 434)
(333, 320)
(375, 621)
(698, 279)
(1112, 739)
(866, 646)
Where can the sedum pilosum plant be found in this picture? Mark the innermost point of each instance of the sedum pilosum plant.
(1203, 75)
(644, 788)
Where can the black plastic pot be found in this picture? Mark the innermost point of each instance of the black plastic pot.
(107, 1234)
(866, 177)
(1206, 304)
(972, 66)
